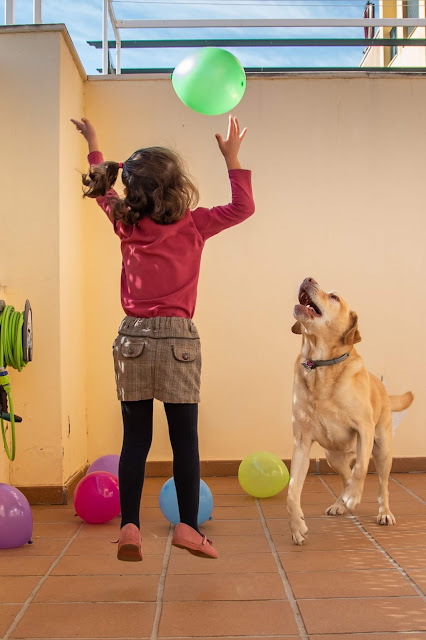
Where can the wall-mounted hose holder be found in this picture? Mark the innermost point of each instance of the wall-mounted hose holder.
(16, 350)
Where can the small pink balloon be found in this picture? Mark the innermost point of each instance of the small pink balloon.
(16, 518)
(97, 498)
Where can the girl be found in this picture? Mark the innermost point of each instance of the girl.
(157, 352)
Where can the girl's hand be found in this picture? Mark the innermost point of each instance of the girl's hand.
(87, 130)
(231, 145)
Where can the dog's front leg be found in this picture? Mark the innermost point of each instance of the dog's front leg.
(299, 469)
(351, 497)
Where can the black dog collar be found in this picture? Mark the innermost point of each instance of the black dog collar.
(313, 364)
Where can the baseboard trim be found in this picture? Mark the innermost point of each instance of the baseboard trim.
(51, 495)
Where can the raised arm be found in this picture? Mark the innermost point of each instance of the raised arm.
(212, 221)
(95, 157)
(87, 130)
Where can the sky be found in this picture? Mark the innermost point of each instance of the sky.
(83, 20)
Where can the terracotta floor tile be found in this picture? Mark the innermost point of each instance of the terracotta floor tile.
(25, 565)
(15, 589)
(409, 506)
(392, 537)
(229, 586)
(318, 542)
(62, 530)
(372, 636)
(419, 577)
(313, 484)
(409, 558)
(149, 501)
(102, 546)
(235, 513)
(230, 500)
(306, 560)
(152, 486)
(308, 497)
(61, 516)
(421, 493)
(407, 522)
(363, 615)
(228, 562)
(232, 528)
(324, 525)
(106, 565)
(198, 619)
(7, 616)
(224, 485)
(412, 480)
(316, 509)
(118, 588)
(39, 547)
(350, 584)
(86, 620)
(151, 514)
(286, 637)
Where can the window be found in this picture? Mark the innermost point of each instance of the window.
(394, 48)
(411, 10)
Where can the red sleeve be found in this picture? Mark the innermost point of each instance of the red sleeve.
(212, 221)
(96, 157)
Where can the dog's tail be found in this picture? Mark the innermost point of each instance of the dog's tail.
(399, 403)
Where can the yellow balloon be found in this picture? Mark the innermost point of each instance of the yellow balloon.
(263, 474)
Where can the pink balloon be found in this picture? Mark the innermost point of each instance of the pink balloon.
(106, 463)
(16, 518)
(97, 498)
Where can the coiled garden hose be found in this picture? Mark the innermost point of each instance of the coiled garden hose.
(15, 352)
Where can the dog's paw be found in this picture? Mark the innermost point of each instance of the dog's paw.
(299, 531)
(336, 509)
(386, 519)
(351, 498)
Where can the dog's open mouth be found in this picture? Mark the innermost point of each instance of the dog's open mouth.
(306, 301)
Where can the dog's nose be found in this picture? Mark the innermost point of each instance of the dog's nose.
(310, 281)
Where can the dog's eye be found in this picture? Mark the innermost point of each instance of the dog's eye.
(334, 297)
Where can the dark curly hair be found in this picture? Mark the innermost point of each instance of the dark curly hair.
(156, 186)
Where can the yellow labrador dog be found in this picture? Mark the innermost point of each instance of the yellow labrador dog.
(339, 404)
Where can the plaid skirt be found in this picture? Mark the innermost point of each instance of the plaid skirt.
(158, 358)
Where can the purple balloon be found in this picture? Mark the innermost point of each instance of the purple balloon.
(106, 463)
(16, 518)
(97, 498)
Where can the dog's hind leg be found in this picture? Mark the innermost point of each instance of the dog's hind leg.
(382, 457)
(339, 462)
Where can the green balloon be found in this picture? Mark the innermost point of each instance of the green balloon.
(263, 474)
(210, 81)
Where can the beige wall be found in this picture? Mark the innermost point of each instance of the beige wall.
(40, 221)
(324, 154)
(337, 170)
(72, 272)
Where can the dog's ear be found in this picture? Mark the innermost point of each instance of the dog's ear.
(352, 335)
(297, 328)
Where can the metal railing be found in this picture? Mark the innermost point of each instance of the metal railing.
(109, 17)
(118, 44)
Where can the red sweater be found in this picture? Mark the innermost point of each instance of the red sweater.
(161, 263)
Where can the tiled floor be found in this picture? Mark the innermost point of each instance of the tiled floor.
(353, 579)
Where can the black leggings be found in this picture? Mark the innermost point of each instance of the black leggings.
(137, 421)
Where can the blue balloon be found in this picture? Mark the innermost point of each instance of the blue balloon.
(169, 504)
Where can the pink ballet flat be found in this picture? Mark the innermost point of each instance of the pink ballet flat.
(129, 544)
(185, 537)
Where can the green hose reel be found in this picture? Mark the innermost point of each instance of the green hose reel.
(16, 350)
